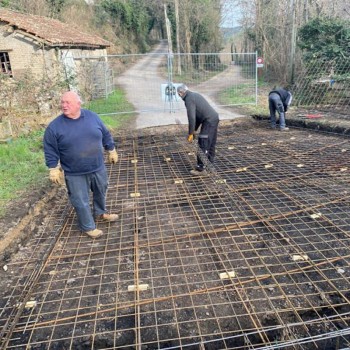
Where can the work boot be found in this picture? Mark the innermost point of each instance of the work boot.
(197, 172)
(108, 217)
(94, 233)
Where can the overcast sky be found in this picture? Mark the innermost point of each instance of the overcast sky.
(230, 14)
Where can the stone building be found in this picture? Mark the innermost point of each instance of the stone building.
(46, 47)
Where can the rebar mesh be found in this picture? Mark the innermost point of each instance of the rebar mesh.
(254, 255)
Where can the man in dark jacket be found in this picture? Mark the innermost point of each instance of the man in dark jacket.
(279, 100)
(200, 114)
(75, 141)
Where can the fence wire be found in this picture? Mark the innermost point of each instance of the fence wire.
(324, 86)
(149, 81)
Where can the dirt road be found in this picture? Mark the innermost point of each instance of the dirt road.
(143, 82)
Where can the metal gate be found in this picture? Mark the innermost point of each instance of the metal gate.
(149, 81)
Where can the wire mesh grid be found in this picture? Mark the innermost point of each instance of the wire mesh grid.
(253, 255)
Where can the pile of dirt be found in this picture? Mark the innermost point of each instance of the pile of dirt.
(315, 120)
(23, 217)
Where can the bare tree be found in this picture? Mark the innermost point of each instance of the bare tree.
(270, 27)
(38, 7)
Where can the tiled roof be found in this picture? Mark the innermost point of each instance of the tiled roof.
(50, 31)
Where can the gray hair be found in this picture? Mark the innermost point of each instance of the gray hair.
(182, 88)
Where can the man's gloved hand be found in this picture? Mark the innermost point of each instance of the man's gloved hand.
(190, 138)
(56, 175)
(112, 156)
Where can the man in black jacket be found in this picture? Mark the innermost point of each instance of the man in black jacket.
(200, 114)
(279, 100)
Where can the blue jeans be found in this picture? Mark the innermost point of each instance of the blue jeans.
(79, 195)
(275, 104)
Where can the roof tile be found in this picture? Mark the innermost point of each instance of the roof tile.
(52, 31)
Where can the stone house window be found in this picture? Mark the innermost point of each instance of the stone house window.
(5, 63)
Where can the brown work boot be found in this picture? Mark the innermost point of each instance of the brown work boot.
(108, 217)
(197, 172)
(94, 233)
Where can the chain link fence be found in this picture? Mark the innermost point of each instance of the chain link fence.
(324, 86)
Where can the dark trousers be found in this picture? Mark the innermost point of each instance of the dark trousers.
(207, 141)
(275, 104)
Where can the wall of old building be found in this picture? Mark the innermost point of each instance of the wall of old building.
(28, 55)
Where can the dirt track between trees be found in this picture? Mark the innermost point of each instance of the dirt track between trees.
(145, 97)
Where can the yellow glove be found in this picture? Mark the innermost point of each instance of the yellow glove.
(112, 156)
(56, 175)
(190, 138)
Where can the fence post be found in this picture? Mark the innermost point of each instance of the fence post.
(256, 78)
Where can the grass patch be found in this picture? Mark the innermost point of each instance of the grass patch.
(243, 97)
(238, 95)
(114, 110)
(195, 77)
(253, 110)
(114, 103)
(114, 122)
(22, 166)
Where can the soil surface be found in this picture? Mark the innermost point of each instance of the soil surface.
(26, 216)
(31, 220)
